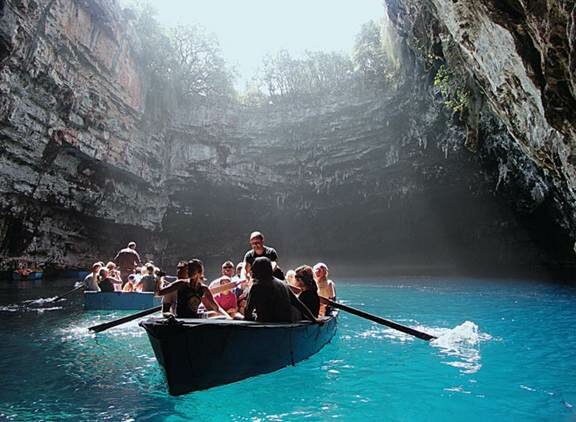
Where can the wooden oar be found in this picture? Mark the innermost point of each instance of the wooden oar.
(378, 320)
(101, 327)
(69, 292)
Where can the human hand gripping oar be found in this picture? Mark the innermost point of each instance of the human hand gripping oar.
(101, 327)
(378, 320)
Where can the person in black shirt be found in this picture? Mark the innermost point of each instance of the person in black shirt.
(258, 250)
(148, 283)
(271, 299)
(190, 293)
(105, 282)
(309, 290)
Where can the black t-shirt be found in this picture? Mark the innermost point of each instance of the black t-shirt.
(107, 285)
(189, 298)
(148, 283)
(311, 300)
(271, 301)
(269, 253)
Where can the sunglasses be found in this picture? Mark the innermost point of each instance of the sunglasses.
(227, 267)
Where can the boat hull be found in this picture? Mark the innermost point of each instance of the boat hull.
(197, 354)
(94, 301)
(34, 275)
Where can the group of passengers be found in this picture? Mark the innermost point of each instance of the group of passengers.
(128, 276)
(254, 289)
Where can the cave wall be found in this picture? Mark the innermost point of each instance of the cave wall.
(518, 57)
(73, 149)
(381, 179)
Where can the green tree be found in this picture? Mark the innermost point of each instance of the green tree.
(199, 69)
(372, 59)
(314, 75)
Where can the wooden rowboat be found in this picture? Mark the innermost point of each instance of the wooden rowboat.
(94, 301)
(27, 275)
(196, 354)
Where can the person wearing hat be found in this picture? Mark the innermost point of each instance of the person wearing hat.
(127, 260)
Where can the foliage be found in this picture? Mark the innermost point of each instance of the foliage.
(374, 66)
(199, 69)
(456, 97)
(185, 62)
(374, 54)
(316, 73)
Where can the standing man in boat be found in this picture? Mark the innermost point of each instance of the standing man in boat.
(260, 250)
(127, 260)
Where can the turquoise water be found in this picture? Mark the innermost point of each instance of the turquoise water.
(507, 351)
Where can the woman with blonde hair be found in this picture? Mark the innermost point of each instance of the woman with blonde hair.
(326, 287)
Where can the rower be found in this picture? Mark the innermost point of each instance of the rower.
(326, 287)
(191, 292)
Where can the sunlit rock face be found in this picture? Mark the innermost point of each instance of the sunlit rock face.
(75, 157)
(376, 179)
(521, 56)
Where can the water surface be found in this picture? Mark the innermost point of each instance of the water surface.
(506, 351)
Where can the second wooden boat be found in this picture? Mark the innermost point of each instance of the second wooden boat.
(94, 301)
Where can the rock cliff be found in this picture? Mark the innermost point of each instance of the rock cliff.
(518, 58)
(373, 178)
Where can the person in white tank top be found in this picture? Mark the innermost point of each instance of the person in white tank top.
(326, 287)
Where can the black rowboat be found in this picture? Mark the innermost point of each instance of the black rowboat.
(196, 354)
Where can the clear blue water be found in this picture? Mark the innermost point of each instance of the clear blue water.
(507, 351)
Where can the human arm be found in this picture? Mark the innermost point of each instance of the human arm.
(210, 303)
(250, 304)
(295, 290)
(173, 287)
(332, 290)
(116, 276)
(297, 303)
